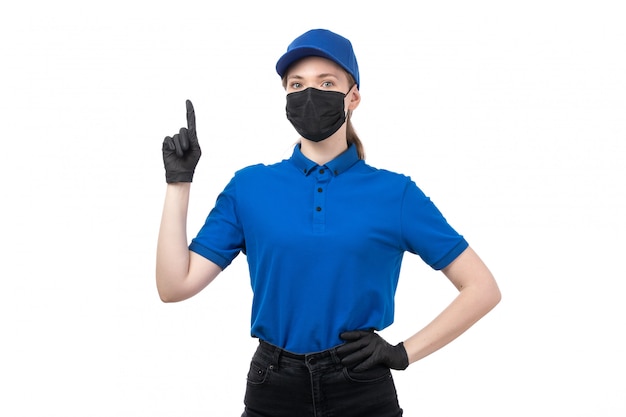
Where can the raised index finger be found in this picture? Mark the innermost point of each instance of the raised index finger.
(191, 118)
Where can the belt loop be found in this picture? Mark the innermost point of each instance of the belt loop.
(275, 357)
(335, 356)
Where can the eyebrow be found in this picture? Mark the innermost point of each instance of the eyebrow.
(323, 75)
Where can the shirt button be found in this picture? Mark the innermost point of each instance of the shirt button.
(318, 208)
(319, 190)
(322, 171)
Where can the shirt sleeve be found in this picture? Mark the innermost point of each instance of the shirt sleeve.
(426, 232)
(221, 239)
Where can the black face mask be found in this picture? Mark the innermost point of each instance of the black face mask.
(316, 114)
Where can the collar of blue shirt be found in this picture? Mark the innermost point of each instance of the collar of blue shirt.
(337, 166)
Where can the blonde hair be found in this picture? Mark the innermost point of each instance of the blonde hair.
(351, 135)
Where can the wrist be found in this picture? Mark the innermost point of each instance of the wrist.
(178, 191)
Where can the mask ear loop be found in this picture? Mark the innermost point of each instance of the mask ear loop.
(346, 95)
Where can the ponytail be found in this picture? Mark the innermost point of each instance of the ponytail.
(353, 138)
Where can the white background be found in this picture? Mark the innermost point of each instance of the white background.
(510, 115)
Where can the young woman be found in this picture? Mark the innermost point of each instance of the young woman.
(324, 235)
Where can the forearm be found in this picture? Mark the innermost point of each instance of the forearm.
(172, 260)
(465, 310)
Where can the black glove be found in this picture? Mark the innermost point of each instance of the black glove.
(181, 152)
(365, 349)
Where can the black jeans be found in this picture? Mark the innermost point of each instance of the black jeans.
(283, 384)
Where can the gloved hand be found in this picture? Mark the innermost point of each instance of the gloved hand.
(181, 152)
(365, 349)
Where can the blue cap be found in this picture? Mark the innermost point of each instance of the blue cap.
(324, 43)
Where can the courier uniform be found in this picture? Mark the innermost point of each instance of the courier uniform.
(324, 245)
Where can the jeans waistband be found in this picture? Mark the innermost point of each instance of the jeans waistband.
(316, 359)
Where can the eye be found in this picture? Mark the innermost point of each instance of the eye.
(328, 84)
(296, 85)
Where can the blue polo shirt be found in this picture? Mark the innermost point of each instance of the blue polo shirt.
(324, 244)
